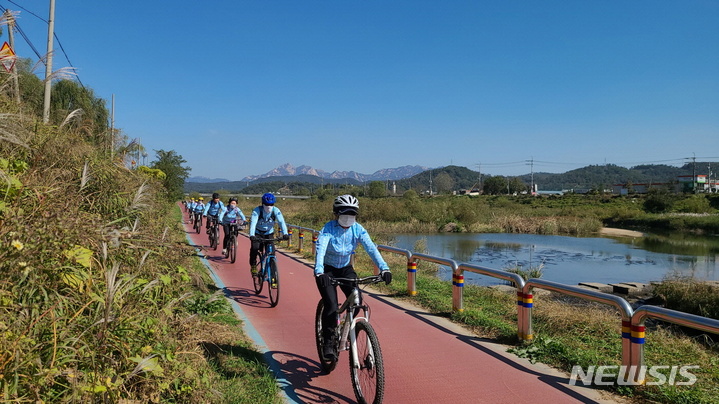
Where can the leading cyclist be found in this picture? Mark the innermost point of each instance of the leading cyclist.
(262, 227)
(335, 245)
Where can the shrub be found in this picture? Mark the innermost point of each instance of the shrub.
(693, 204)
(658, 202)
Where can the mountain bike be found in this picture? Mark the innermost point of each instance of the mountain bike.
(268, 271)
(354, 333)
(198, 222)
(231, 251)
(214, 232)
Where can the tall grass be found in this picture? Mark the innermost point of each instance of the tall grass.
(93, 274)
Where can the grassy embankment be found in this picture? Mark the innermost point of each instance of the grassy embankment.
(578, 215)
(565, 336)
(101, 298)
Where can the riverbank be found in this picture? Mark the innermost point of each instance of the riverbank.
(616, 232)
(572, 215)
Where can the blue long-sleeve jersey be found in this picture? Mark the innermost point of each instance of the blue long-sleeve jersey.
(230, 213)
(335, 245)
(213, 209)
(263, 223)
(199, 207)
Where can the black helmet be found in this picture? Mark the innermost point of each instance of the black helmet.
(232, 199)
(215, 196)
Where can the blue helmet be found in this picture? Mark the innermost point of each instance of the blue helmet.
(268, 199)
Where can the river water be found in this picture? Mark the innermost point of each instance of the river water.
(571, 260)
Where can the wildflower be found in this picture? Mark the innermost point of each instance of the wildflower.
(22, 264)
(17, 244)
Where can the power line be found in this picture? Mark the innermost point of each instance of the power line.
(22, 33)
(59, 43)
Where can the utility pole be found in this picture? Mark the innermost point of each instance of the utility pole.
(430, 182)
(48, 63)
(694, 172)
(11, 35)
(112, 129)
(479, 177)
(531, 169)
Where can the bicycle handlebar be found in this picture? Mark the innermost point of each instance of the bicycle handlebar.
(357, 281)
(265, 240)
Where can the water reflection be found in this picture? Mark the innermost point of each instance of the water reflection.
(572, 260)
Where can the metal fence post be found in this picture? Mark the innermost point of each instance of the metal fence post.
(525, 302)
(314, 243)
(458, 290)
(411, 277)
(637, 332)
(289, 241)
(300, 242)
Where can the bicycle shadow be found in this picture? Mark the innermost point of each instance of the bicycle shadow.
(295, 373)
(248, 297)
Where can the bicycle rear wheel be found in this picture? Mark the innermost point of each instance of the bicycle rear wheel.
(273, 282)
(368, 374)
(327, 366)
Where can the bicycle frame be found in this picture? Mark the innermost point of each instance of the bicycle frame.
(349, 306)
(267, 252)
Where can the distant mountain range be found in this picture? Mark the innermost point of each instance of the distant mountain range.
(288, 170)
(206, 180)
(450, 178)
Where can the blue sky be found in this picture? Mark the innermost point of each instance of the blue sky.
(240, 87)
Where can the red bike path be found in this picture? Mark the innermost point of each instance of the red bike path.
(427, 359)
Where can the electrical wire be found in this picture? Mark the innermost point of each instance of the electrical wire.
(59, 43)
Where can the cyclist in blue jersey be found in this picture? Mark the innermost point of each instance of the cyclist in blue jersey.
(336, 243)
(199, 205)
(197, 209)
(262, 227)
(190, 206)
(213, 209)
(230, 214)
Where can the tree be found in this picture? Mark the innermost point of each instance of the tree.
(68, 96)
(444, 183)
(175, 174)
(517, 186)
(376, 189)
(496, 185)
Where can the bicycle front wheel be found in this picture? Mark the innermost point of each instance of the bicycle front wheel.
(368, 374)
(214, 237)
(258, 281)
(273, 289)
(232, 249)
(327, 366)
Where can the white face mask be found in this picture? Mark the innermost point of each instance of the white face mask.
(267, 209)
(346, 220)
